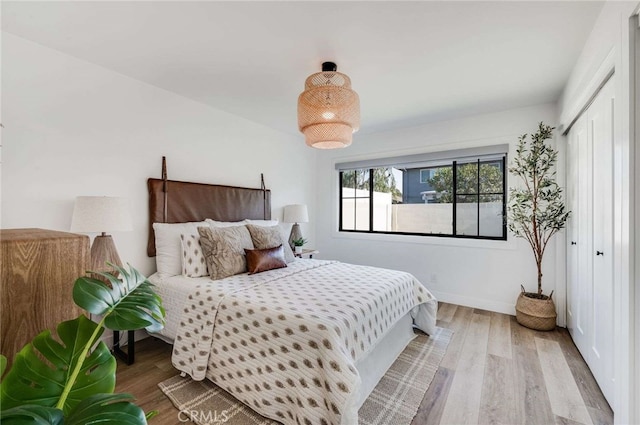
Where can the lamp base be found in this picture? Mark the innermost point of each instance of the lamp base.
(104, 250)
(296, 233)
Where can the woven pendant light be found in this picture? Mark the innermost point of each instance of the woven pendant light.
(328, 110)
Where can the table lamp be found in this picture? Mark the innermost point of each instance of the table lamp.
(102, 214)
(296, 213)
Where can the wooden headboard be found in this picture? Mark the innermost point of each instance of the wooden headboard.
(173, 201)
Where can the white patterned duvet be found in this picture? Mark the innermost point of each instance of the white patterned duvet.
(286, 342)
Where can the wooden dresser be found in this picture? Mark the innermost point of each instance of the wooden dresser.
(38, 268)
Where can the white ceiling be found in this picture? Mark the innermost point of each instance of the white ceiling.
(410, 62)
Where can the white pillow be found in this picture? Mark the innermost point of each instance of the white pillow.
(264, 223)
(215, 223)
(168, 246)
(285, 231)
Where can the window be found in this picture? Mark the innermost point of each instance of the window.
(356, 200)
(426, 174)
(461, 196)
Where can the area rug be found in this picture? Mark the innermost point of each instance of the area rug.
(395, 400)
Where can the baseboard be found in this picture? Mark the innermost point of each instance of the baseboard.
(498, 307)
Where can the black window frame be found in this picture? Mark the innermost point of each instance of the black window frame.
(454, 164)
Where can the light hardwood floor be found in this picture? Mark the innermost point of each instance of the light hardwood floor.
(494, 372)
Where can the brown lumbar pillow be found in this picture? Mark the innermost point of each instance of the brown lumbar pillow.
(261, 260)
(270, 237)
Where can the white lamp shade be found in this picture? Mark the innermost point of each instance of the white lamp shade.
(101, 214)
(296, 213)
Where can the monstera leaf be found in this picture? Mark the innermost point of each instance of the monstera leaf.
(32, 415)
(105, 409)
(129, 303)
(3, 364)
(70, 379)
(34, 381)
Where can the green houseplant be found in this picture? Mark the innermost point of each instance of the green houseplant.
(71, 380)
(536, 212)
(298, 244)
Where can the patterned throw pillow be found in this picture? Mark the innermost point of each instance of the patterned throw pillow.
(193, 262)
(269, 237)
(261, 260)
(223, 250)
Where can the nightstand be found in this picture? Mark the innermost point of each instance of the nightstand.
(129, 356)
(306, 252)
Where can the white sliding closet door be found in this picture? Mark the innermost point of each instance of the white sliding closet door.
(601, 341)
(578, 202)
(590, 233)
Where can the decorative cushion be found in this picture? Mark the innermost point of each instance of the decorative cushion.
(168, 247)
(261, 260)
(193, 262)
(270, 237)
(224, 250)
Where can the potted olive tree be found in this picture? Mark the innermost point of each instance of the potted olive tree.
(536, 212)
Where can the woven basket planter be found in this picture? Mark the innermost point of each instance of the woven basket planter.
(536, 313)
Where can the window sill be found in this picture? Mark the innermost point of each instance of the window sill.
(509, 244)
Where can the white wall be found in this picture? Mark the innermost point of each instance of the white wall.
(607, 50)
(72, 128)
(483, 274)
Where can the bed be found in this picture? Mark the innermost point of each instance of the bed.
(305, 343)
